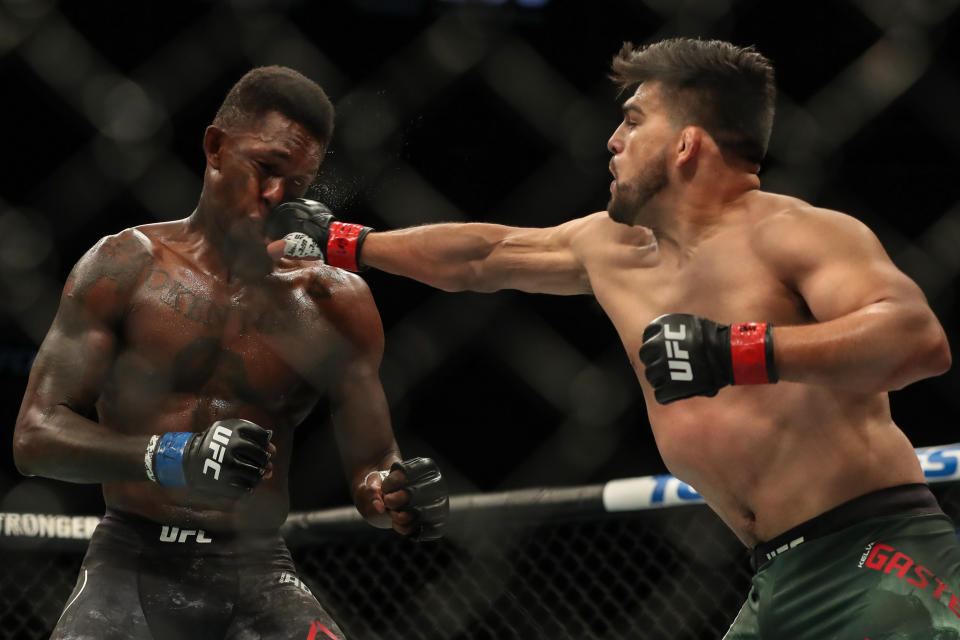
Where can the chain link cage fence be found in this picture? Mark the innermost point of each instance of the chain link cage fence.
(500, 572)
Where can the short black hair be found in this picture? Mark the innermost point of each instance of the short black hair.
(727, 90)
(281, 89)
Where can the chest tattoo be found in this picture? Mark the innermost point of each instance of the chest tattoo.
(268, 318)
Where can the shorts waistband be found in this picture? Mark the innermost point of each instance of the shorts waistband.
(186, 539)
(907, 499)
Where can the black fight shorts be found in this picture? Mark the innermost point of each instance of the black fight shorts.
(141, 579)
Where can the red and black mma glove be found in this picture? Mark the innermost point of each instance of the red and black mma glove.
(686, 355)
(338, 243)
(429, 499)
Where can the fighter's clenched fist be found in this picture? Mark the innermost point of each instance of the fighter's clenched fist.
(307, 229)
(229, 458)
(415, 496)
(686, 355)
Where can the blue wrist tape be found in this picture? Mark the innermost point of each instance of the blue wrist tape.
(168, 460)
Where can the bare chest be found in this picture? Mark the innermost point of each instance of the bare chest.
(187, 334)
(726, 284)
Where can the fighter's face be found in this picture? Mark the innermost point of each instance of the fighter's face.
(257, 168)
(640, 156)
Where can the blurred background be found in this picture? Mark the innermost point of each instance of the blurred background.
(492, 111)
(447, 110)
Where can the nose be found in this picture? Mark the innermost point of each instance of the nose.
(272, 191)
(614, 144)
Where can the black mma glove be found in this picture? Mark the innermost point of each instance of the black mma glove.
(429, 500)
(686, 355)
(338, 243)
(228, 459)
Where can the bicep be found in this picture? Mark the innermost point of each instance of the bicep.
(537, 261)
(836, 264)
(554, 260)
(72, 361)
(79, 347)
(482, 257)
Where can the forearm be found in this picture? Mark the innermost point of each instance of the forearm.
(445, 256)
(58, 443)
(362, 477)
(365, 441)
(362, 426)
(882, 347)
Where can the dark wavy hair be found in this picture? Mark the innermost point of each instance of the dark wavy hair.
(727, 90)
(281, 89)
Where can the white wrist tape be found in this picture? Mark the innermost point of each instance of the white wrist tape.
(300, 245)
(148, 457)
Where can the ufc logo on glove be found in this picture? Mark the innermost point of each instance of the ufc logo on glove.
(221, 437)
(723, 354)
(677, 358)
(229, 458)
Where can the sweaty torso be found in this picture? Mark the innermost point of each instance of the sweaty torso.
(194, 348)
(768, 457)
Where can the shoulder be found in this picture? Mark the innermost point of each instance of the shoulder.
(322, 282)
(117, 260)
(777, 213)
(796, 235)
(785, 222)
(600, 221)
(121, 246)
(599, 228)
(341, 298)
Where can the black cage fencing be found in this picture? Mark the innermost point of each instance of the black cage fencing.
(548, 563)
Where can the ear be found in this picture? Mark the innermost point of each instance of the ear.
(213, 139)
(688, 145)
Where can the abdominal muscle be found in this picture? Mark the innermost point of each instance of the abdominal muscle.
(768, 458)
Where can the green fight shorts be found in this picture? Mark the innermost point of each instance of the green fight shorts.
(884, 566)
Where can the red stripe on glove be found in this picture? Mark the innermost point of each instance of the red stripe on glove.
(342, 245)
(748, 353)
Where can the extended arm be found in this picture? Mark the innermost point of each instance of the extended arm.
(453, 257)
(482, 257)
(874, 331)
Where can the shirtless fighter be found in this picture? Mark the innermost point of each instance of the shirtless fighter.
(765, 332)
(180, 362)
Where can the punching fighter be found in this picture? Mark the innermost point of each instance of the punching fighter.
(179, 363)
(765, 332)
